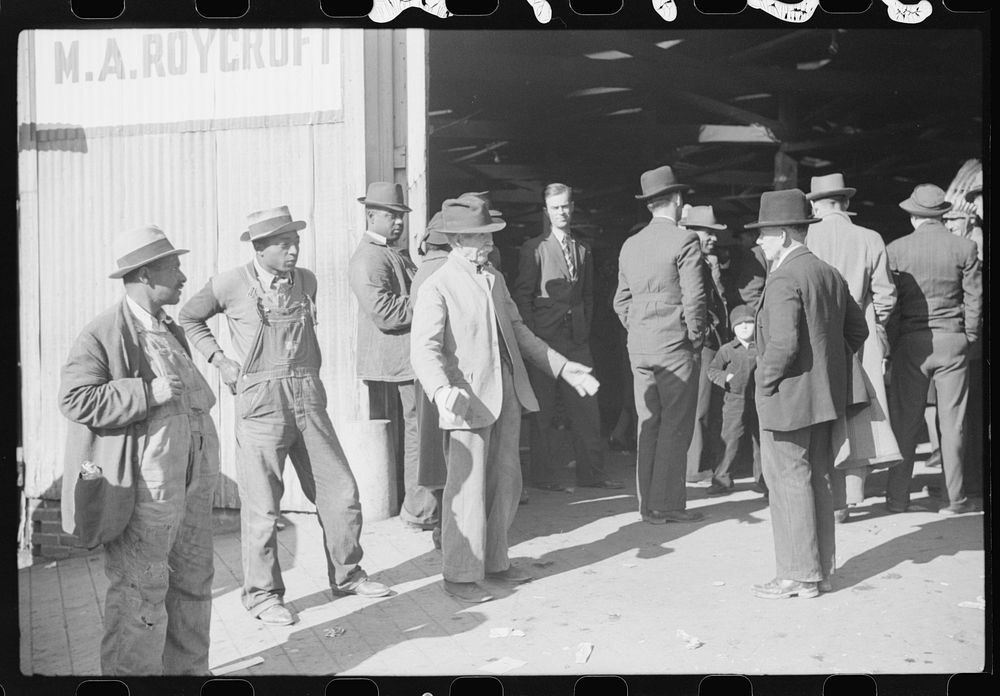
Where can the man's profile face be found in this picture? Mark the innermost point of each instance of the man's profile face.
(281, 253)
(771, 240)
(475, 247)
(166, 280)
(387, 223)
(708, 241)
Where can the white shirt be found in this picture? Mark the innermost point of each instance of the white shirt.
(784, 252)
(560, 235)
(145, 319)
(265, 276)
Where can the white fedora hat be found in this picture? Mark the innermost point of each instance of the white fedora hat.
(141, 246)
(267, 223)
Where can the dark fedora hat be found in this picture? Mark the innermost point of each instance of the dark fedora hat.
(927, 200)
(659, 181)
(140, 247)
(467, 216)
(267, 223)
(385, 195)
(487, 198)
(971, 194)
(781, 208)
(434, 233)
(829, 186)
(701, 217)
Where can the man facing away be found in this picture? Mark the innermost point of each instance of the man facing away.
(934, 331)
(468, 339)
(270, 307)
(554, 293)
(142, 462)
(807, 328)
(859, 255)
(661, 301)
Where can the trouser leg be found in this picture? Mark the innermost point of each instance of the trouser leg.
(544, 469)
(136, 563)
(789, 474)
(591, 450)
(700, 449)
(821, 465)
(503, 478)
(418, 502)
(677, 384)
(463, 529)
(951, 380)
(973, 463)
(191, 563)
(907, 395)
(327, 481)
(647, 406)
(733, 428)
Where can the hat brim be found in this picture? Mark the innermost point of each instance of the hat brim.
(436, 237)
(490, 228)
(970, 195)
(698, 226)
(122, 272)
(921, 211)
(779, 223)
(392, 207)
(665, 190)
(293, 226)
(847, 192)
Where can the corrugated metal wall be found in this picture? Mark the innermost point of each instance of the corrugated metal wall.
(80, 189)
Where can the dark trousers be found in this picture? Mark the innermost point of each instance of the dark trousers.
(419, 506)
(739, 419)
(973, 463)
(918, 358)
(585, 426)
(797, 466)
(705, 436)
(666, 391)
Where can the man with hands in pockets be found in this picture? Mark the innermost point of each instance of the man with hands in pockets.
(467, 343)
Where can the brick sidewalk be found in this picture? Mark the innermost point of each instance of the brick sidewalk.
(602, 577)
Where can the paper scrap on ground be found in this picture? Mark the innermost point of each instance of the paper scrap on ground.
(506, 632)
(237, 666)
(692, 642)
(51, 565)
(583, 652)
(980, 603)
(503, 665)
(614, 616)
(630, 565)
(718, 583)
(334, 632)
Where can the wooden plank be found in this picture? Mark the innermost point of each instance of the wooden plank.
(735, 178)
(51, 653)
(82, 615)
(735, 113)
(768, 47)
(24, 620)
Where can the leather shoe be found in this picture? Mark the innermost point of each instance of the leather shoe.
(276, 615)
(842, 515)
(436, 538)
(719, 488)
(958, 508)
(784, 589)
(825, 586)
(364, 588)
(513, 574)
(468, 592)
(524, 497)
(680, 516)
(653, 517)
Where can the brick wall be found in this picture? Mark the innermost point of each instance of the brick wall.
(45, 534)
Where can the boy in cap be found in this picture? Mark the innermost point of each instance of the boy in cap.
(142, 462)
(732, 369)
(270, 306)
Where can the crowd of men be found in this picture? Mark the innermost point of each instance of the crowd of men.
(796, 337)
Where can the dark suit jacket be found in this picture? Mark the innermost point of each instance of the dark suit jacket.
(104, 392)
(380, 279)
(661, 297)
(743, 280)
(733, 359)
(938, 281)
(555, 308)
(808, 326)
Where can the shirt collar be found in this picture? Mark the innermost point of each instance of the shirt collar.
(560, 236)
(265, 276)
(146, 320)
(783, 254)
(377, 238)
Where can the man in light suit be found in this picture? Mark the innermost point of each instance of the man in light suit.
(554, 293)
(859, 255)
(466, 351)
(807, 328)
(934, 332)
(661, 301)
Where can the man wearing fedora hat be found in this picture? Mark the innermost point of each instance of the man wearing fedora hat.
(380, 278)
(142, 462)
(661, 301)
(934, 332)
(859, 255)
(807, 328)
(467, 345)
(705, 439)
(554, 293)
(269, 304)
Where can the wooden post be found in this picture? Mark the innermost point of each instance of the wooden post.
(786, 168)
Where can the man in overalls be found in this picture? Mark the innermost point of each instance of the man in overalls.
(280, 411)
(142, 461)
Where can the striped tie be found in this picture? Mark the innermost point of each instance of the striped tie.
(568, 253)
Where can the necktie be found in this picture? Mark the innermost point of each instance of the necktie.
(282, 286)
(568, 253)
